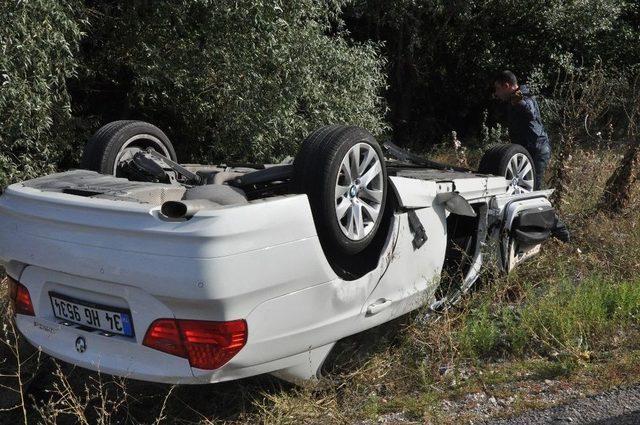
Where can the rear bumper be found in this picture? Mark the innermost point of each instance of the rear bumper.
(112, 355)
(275, 340)
(267, 349)
(132, 361)
(238, 256)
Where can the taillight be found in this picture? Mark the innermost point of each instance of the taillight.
(207, 345)
(20, 298)
(164, 335)
(212, 344)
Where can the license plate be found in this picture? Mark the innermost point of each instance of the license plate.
(110, 319)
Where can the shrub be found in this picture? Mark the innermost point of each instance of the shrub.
(480, 336)
(243, 81)
(443, 54)
(38, 39)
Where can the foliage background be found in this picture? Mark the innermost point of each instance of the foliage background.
(247, 80)
(444, 53)
(38, 44)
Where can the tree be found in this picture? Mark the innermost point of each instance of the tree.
(38, 39)
(619, 186)
(443, 53)
(244, 80)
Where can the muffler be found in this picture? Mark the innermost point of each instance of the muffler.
(186, 209)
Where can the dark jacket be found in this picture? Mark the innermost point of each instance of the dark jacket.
(524, 122)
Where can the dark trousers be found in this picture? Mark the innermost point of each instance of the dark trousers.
(541, 154)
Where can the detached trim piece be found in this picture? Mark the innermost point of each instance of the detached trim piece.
(419, 234)
(456, 204)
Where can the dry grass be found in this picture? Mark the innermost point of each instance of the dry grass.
(566, 323)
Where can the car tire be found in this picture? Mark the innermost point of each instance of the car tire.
(111, 142)
(513, 162)
(342, 171)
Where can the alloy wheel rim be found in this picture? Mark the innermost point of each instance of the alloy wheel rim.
(359, 191)
(136, 144)
(519, 174)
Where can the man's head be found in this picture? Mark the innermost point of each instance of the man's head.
(504, 85)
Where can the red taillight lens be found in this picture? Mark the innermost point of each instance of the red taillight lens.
(23, 301)
(212, 344)
(19, 296)
(207, 345)
(164, 335)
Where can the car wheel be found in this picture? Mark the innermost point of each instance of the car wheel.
(118, 141)
(514, 163)
(342, 171)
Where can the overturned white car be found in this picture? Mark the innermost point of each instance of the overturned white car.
(148, 269)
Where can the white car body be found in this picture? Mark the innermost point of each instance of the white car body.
(261, 262)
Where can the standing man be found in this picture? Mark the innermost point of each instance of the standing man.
(524, 122)
(526, 129)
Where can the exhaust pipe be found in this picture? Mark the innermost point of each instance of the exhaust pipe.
(186, 209)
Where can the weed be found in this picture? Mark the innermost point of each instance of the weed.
(480, 335)
(567, 317)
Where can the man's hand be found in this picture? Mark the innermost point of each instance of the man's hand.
(516, 97)
(521, 104)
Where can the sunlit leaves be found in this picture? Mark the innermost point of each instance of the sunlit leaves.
(38, 39)
(243, 80)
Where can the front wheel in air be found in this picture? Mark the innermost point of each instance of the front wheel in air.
(514, 163)
(342, 171)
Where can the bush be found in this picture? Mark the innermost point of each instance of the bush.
(38, 39)
(247, 80)
(443, 54)
(481, 335)
(243, 81)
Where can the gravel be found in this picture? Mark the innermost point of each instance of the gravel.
(619, 406)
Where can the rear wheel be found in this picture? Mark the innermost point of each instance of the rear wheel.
(342, 171)
(116, 142)
(514, 163)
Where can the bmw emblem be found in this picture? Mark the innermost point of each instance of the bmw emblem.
(81, 345)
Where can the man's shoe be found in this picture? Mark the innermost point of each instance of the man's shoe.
(560, 231)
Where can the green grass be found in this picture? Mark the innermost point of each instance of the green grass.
(570, 317)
